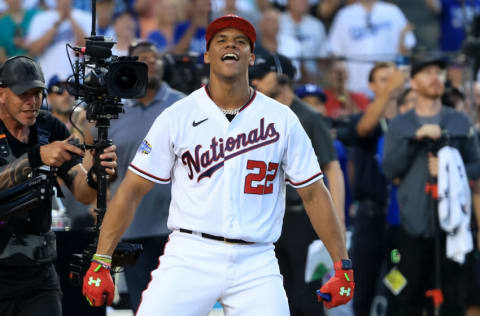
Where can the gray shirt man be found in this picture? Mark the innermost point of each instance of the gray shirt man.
(407, 160)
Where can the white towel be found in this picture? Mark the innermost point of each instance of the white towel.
(455, 202)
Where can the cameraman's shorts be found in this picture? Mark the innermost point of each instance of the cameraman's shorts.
(40, 303)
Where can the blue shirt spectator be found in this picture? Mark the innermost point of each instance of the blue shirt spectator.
(197, 43)
(453, 20)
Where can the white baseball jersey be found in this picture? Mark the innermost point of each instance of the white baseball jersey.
(228, 178)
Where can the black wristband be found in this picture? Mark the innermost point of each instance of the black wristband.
(34, 157)
(91, 183)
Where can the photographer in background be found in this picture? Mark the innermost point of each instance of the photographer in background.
(149, 226)
(31, 138)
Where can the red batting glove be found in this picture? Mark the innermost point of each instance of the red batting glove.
(339, 289)
(98, 285)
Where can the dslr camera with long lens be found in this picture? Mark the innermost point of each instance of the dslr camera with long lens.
(101, 80)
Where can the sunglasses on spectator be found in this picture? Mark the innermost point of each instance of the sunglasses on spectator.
(141, 43)
(57, 90)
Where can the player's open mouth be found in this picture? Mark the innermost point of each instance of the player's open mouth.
(230, 57)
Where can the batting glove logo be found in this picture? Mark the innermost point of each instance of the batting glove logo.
(98, 287)
(345, 292)
(338, 290)
(96, 282)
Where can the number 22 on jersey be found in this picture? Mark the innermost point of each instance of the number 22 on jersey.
(261, 173)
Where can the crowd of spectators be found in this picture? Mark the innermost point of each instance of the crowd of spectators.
(333, 46)
(311, 32)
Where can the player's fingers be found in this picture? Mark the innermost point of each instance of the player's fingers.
(109, 299)
(91, 302)
(329, 304)
(322, 296)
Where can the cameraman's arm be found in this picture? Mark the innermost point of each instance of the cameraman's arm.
(121, 210)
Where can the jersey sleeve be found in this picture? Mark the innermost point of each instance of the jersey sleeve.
(155, 157)
(299, 161)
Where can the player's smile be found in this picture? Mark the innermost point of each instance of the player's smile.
(230, 58)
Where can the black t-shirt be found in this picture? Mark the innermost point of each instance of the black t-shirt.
(369, 181)
(322, 142)
(40, 218)
(17, 281)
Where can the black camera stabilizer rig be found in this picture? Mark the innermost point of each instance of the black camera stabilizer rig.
(110, 79)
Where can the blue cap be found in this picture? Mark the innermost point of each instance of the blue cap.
(311, 90)
(54, 81)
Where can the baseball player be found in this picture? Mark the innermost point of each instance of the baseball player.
(228, 152)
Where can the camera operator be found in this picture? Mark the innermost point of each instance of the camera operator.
(31, 138)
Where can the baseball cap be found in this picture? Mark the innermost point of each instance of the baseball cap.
(271, 63)
(418, 63)
(145, 44)
(311, 90)
(231, 21)
(21, 73)
(56, 85)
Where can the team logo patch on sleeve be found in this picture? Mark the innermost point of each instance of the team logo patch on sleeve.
(145, 147)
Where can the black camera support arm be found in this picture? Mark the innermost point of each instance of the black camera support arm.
(100, 144)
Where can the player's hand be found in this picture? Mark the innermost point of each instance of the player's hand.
(56, 153)
(431, 131)
(98, 285)
(339, 289)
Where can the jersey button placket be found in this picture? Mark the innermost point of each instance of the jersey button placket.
(228, 203)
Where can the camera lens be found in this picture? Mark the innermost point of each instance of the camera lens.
(126, 78)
